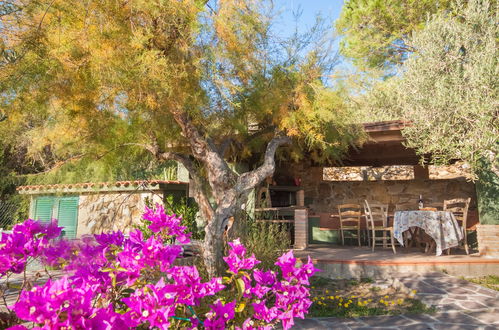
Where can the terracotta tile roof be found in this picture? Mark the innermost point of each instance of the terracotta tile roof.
(97, 186)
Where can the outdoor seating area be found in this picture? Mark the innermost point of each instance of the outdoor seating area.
(241, 164)
(428, 229)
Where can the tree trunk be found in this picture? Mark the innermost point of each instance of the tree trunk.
(228, 189)
(213, 245)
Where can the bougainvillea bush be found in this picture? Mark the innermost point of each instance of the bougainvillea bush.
(113, 281)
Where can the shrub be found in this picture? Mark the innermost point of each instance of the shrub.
(267, 241)
(114, 282)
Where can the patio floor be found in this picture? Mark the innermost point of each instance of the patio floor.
(354, 262)
(459, 305)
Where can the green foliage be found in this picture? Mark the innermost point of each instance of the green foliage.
(357, 298)
(13, 207)
(184, 208)
(490, 281)
(266, 240)
(188, 210)
(376, 32)
(93, 82)
(487, 190)
(448, 89)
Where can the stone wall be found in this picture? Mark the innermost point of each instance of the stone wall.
(322, 197)
(368, 173)
(99, 212)
(394, 172)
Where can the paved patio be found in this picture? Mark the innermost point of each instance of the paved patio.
(355, 262)
(460, 305)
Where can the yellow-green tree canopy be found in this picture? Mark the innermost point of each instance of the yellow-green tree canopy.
(199, 82)
(84, 78)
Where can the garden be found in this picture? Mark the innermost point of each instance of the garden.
(139, 280)
(113, 281)
(364, 297)
(110, 91)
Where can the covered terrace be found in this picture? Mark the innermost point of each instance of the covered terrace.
(306, 195)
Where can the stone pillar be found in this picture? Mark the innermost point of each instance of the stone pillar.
(488, 240)
(316, 173)
(421, 172)
(301, 228)
(300, 198)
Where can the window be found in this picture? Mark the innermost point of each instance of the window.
(64, 209)
(455, 171)
(368, 173)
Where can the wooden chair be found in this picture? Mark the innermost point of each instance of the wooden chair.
(459, 207)
(377, 221)
(349, 220)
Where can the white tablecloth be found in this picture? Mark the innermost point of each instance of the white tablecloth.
(439, 225)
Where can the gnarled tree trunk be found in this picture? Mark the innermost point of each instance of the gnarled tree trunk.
(228, 189)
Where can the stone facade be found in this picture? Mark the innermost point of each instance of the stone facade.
(368, 173)
(394, 172)
(301, 229)
(322, 197)
(101, 212)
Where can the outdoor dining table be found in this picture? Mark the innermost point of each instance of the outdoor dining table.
(441, 226)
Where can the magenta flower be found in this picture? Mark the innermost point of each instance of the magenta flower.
(58, 253)
(26, 241)
(264, 278)
(186, 282)
(167, 224)
(262, 312)
(56, 304)
(106, 283)
(113, 238)
(153, 306)
(219, 314)
(236, 258)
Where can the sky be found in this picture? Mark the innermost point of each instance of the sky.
(328, 9)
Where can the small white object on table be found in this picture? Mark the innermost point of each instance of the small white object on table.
(441, 226)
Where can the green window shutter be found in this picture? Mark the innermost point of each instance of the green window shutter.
(43, 208)
(67, 215)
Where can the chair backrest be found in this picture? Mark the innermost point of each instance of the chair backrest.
(436, 206)
(459, 207)
(376, 214)
(349, 214)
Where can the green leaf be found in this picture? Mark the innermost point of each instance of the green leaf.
(107, 270)
(240, 287)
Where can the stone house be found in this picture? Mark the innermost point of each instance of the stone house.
(89, 208)
(382, 170)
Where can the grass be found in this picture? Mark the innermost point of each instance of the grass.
(491, 281)
(353, 298)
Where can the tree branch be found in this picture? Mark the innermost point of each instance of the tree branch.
(220, 176)
(198, 182)
(229, 140)
(249, 180)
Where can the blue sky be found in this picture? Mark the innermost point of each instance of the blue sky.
(328, 9)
